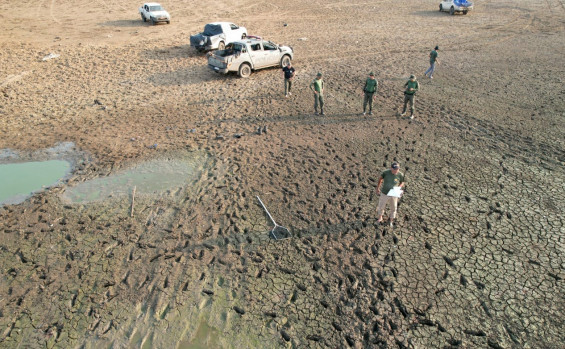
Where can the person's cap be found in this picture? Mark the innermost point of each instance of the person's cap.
(436, 48)
(395, 165)
(319, 75)
(371, 74)
(412, 76)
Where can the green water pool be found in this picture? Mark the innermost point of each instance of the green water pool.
(18, 181)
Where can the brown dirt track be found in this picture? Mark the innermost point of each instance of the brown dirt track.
(475, 261)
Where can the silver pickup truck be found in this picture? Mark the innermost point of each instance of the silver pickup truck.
(244, 56)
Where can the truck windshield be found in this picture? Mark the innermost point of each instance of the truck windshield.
(155, 8)
(212, 29)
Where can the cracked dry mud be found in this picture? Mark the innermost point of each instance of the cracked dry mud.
(476, 259)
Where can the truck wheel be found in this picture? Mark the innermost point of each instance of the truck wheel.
(153, 21)
(452, 11)
(285, 60)
(221, 45)
(464, 12)
(244, 70)
(440, 8)
(143, 17)
(168, 22)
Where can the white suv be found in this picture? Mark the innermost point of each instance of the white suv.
(453, 6)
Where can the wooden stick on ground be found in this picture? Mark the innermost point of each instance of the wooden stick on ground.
(132, 201)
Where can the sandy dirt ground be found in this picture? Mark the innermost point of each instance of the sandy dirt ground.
(476, 259)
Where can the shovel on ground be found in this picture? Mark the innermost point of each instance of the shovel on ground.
(279, 232)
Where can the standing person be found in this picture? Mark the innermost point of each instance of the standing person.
(318, 87)
(288, 74)
(389, 179)
(433, 61)
(369, 90)
(411, 87)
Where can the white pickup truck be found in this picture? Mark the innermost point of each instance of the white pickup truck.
(154, 12)
(217, 35)
(253, 53)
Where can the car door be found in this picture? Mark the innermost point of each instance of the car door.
(256, 52)
(271, 54)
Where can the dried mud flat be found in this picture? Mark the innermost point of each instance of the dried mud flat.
(475, 261)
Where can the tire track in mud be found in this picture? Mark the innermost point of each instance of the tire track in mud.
(52, 12)
(559, 4)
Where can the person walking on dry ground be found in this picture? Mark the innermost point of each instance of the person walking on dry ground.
(433, 61)
(369, 90)
(288, 74)
(411, 87)
(318, 87)
(389, 179)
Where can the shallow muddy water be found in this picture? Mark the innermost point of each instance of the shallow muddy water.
(206, 337)
(151, 177)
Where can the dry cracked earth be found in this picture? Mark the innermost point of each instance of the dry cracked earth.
(476, 259)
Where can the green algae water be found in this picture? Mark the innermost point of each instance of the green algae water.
(18, 181)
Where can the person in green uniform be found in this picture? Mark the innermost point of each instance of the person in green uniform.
(411, 87)
(433, 61)
(389, 179)
(369, 90)
(318, 87)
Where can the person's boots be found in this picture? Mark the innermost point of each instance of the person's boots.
(322, 113)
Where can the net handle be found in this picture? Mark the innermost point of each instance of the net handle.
(271, 217)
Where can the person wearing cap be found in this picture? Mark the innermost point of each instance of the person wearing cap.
(318, 87)
(411, 87)
(288, 74)
(369, 90)
(389, 179)
(433, 61)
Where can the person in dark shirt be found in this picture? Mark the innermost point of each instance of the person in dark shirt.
(288, 74)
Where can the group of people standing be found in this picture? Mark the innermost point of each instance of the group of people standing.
(391, 178)
(370, 88)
